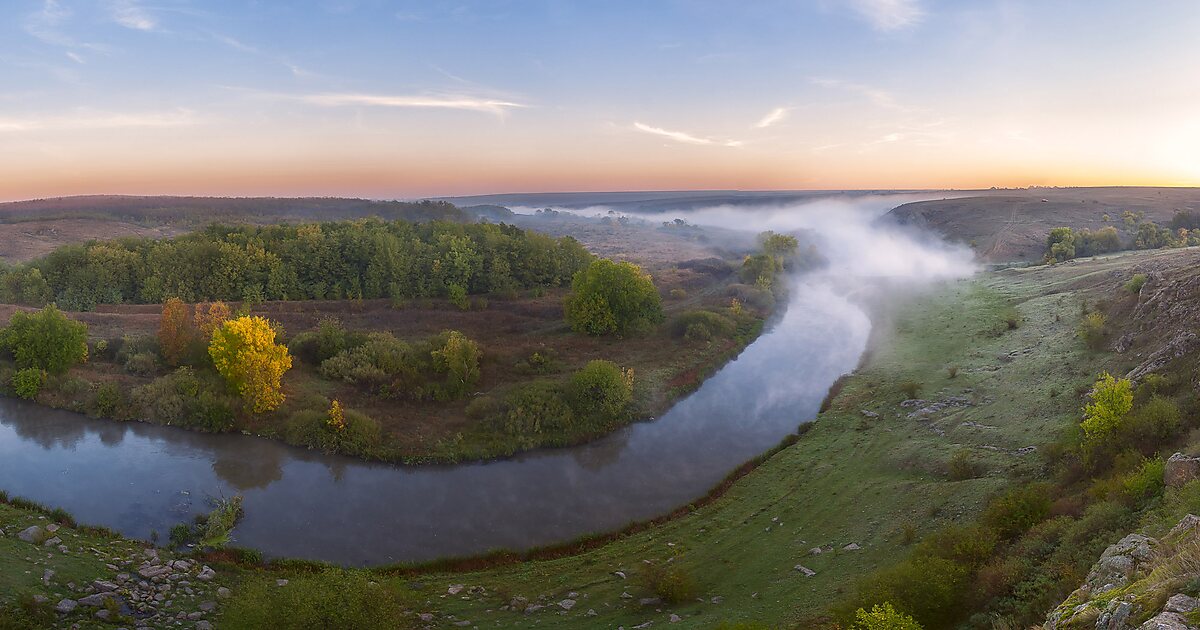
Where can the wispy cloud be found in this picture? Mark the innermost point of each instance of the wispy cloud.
(881, 98)
(46, 25)
(130, 14)
(889, 15)
(684, 137)
(340, 99)
(774, 116)
(76, 57)
(82, 120)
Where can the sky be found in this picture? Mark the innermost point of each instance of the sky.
(378, 99)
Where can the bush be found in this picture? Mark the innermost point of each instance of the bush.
(669, 582)
(1145, 482)
(109, 400)
(1135, 283)
(182, 399)
(380, 357)
(1014, 512)
(327, 341)
(911, 389)
(702, 325)
(929, 588)
(677, 294)
(535, 409)
(46, 340)
(26, 613)
(751, 295)
(601, 390)
(458, 359)
(961, 466)
(612, 298)
(27, 382)
(1111, 399)
(331, 598)
(1151, 424)
(484, 407)
(883, 617)
(141, 364)
(1092, 330)
(361, 435)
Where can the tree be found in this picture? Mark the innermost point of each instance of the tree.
(174, 331)
(1112, 398)
(1060, 245)
(244, 352)
(778, 246)
(612, 297)
(46, 340)
(883, 617)
(207, 320)
(459, 359)
(601, 389)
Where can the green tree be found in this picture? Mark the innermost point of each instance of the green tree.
(459, 359)
(1060, 245)
(601, 389)
(778, 246)
(47, 340)
(883, 617)
(612, 297)
(1112, 398)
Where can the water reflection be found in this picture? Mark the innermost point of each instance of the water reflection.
(139, 478)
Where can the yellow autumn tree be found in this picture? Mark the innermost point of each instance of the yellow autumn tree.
(207, 320)
(244, 351)
(174, 330)
(337, 417)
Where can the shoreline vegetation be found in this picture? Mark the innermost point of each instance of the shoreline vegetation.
(436, 343)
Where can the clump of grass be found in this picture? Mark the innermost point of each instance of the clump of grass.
(328, 598)
(220, 522)
(26, 613)
(670, 583)
(911, 389)
(952, 371)
(1092, 329)
(962, 466)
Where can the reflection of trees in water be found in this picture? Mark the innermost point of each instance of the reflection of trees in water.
(45, 427)
(111, 433)
(602, 453)
(246, 467)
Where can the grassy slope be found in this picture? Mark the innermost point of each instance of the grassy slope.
(851, 479)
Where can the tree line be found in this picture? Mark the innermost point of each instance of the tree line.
(365, 259)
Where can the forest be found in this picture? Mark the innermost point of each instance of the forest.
(362, 259)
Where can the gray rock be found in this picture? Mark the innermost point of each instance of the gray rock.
(203, 625)
(32, 533)
(97, 599)
(281, 582)
(1180, 469)
(153, 571)
(47, 575)
(223, 593)
(425, 617)
(815, 551)
(207, 606)
(1167, 621)
(674, 618)
(454, 589)
(206, 574)
(50, 542)
(52, 527)
(65, 606)
(650, 601)
(566, 604)
(1181, 604)
(851, 547)
(104, 586)
(1187, 524)
(805, 570)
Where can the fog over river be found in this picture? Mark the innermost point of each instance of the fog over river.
(138, 478)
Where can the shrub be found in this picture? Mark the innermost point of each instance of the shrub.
(702, 325)
(1145, 482)
(883, 617)
(911, 389)
(327, 341)
(27, 382)
(961, 466)
(751, 295)
(330, 598)
(1092, 330)
(669, 582)
(612, 298)
(244, 352)
(26, 613)
(929, 588)
(484, 407)
(373, 362)
(182, 399)
(141, 364)
(220, 522)
(1014, 512)
(677, 294)
(109, 400)
(1135, 283)
(458, 359)
(1153, 422)
(536, 408)
(1111, 399)
(601, 390)
(46, 340)
(457, 294)
(360, 436)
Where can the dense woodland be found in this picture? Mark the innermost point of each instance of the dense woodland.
(366, 259)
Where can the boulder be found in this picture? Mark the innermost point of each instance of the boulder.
(805, 570)
(65, 606)
(566, 604)
(1180, 469)
(1167, 621)
(32, 534)
(1181, 604)
(96, 599)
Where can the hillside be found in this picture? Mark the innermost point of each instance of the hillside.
(1011, 225)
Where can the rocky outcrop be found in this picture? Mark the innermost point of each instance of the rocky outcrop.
(1124, 592)
(1180, 469)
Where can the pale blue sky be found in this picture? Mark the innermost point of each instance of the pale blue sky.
(414, 98)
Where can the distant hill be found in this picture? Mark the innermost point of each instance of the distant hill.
(1012, 225)
(657, 201)
(199, 210)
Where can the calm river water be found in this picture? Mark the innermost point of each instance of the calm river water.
(136, 478)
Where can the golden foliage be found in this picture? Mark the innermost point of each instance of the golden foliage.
(244, 351)
(337, 417)
(208, 320)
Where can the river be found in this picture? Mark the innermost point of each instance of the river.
(137, 478)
